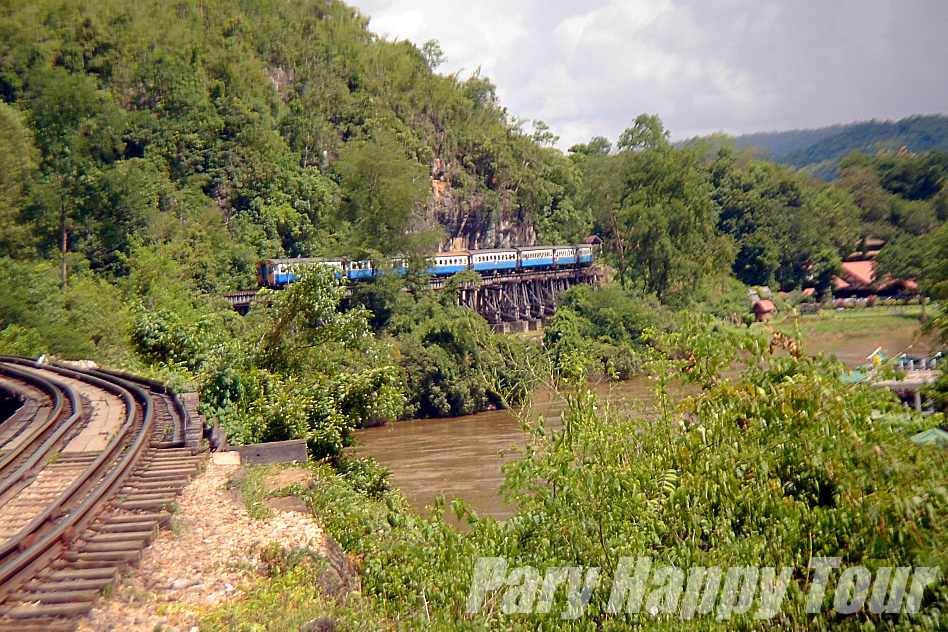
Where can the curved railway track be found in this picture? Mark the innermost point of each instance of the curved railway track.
(90, 464)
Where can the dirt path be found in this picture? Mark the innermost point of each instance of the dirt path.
(210, 551)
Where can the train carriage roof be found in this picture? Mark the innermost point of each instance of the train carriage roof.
(489, 251)
(301, 260)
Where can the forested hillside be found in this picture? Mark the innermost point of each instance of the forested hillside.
(223, 132)
(286, 126)
(819, 151)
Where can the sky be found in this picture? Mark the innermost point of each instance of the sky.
(588, 68)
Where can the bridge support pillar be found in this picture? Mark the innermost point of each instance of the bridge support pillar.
(518, 326)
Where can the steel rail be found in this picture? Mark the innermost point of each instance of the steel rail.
(48, 534)
(31, 441)
(180, 430)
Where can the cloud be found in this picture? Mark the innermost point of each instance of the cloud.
(733, 65)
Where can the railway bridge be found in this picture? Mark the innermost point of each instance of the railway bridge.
(509, 302)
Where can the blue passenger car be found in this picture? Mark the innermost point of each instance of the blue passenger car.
(584, 255)
(448, 263)
(536, 258)
(399, 266)
(498, 260)
(360, 270)
(275, 273)
(338, 268)
(279, 272)
(564, 256)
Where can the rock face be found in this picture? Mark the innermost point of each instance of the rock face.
(469, 221)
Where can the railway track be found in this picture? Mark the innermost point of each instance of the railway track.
(90, 465)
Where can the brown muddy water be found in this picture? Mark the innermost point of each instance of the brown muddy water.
(461, 457)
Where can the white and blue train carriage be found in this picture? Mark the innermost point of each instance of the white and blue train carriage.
(584, 255)
(448, 263)
(360, 270)
(399, 266)
(536, 258)
(564, 256)
(494, 260)
(279, 272)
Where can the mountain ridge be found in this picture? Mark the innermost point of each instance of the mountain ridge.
(819, 150)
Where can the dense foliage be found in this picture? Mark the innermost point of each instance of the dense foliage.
(228, 132)
(605, 331)
(243, 130)
(772, 467)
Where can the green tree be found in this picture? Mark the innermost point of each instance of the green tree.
(647, 132)
(597, 146)
(657, 215)
(788, 229)
(924, 259)
(18, 166)
(303, 320)
(543, 135)
(78, 129)
(433, 54)
(382, 190)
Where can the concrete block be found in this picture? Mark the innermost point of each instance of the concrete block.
(273, 452)
(225, 458)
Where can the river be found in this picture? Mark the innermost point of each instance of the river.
(461, 457)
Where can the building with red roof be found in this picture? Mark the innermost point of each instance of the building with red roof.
(858, 278)
(764, 310)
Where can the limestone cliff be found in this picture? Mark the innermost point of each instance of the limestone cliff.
(469, 220)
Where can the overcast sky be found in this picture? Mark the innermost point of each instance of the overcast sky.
(588, 67)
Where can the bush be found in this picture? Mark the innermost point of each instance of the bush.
(603, 329)
(770, 468)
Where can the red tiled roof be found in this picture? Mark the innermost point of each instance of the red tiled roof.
(862, 275)
(839, 284)
(764, 306)
(858, 272)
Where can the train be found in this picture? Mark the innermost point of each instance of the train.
(275, 273)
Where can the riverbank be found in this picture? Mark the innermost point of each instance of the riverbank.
(851, 335)
(462, 457)
(764, 471)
